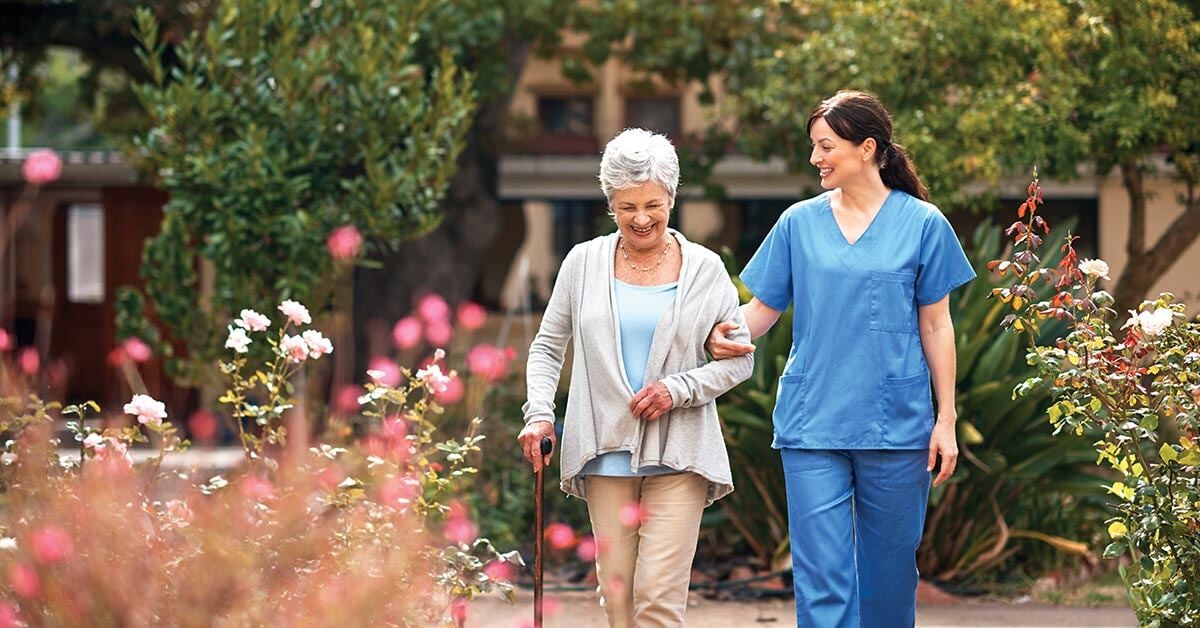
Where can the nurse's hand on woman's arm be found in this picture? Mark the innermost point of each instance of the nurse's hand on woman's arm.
(652, 401)
(531, 443)
(759, 318)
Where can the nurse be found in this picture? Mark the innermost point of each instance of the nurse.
(869, 265)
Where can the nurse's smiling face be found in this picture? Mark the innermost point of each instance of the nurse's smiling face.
(641, 213)
(838, 160)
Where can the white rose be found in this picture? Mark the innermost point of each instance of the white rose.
(1153, 323)
(1094, 268)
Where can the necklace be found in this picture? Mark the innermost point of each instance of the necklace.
(661, 258)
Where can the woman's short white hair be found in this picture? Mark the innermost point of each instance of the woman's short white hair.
(636, 156)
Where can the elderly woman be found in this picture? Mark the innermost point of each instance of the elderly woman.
(641, 440)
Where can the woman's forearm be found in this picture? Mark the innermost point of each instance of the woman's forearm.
(759, 317)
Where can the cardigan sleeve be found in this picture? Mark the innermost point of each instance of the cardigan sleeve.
(703, 384)
(549, 347)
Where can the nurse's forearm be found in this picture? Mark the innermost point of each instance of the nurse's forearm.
(937, 341)
(759, 317)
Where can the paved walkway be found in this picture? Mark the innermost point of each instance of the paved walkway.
(579, 610)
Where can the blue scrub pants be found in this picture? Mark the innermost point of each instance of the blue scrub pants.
(855, 518)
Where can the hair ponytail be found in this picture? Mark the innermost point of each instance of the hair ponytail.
(899, 172)
(857, 116)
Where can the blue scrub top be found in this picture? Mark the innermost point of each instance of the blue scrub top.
(856, 377)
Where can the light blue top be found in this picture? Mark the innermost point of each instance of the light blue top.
(856, 377)
(638, 310)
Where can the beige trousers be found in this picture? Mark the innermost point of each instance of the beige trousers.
(644, 569)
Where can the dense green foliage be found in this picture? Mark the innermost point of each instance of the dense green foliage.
(283, 121)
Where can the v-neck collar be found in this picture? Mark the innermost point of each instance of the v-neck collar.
(853, 253)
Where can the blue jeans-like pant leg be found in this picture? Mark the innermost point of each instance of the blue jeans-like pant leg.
(821, 526)
(891, 490)
(855, 519)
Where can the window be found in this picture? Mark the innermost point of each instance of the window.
(85, 253)
(567, 126)
(577, 221)
(758, 216)
(658, 114)
(566, 115)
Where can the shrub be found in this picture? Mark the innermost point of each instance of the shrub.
(1138, 387)
(362, 529)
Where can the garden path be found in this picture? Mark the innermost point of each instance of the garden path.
(579, 610)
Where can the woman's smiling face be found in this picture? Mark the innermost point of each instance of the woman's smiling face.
(642, 213)
(837, 159)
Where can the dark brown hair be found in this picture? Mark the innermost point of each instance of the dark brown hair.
(856, 116)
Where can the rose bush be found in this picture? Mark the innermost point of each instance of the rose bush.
(1139, 386)
(360, 529)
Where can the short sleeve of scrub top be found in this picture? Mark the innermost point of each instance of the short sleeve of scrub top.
(856, 375)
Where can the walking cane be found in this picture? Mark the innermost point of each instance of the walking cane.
(539, 529)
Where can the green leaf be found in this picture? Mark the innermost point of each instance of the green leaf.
(1167, 453)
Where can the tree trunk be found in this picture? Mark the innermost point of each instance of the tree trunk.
(1143, 267)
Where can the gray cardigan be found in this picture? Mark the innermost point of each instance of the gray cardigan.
(598, 419)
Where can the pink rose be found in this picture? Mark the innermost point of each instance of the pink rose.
(42, 166)
(9, 618)
(24, 581)
(498, 570)
(631, 514)
(295, 312)
(203, 425)
(294, 348)
(29, 361)
(399, 492)
(329, 477)
(407, 332)
(433, 377)
(344, 243)
(438, 333)
(318, 345)
(453, 392)
(237, 340)
(136, 350)
(255, 488)
(460, 530)
(249, 319)
(345, 400)
(586, 551)
(50, 544)
(471, 316)
(432, 308)
(488, 362)
(384, 371)
(147, 409)
(560, 536)
(6, 340)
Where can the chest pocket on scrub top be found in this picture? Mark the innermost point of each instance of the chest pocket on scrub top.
(893, 304)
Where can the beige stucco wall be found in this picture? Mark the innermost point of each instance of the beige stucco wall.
(1183, 278)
